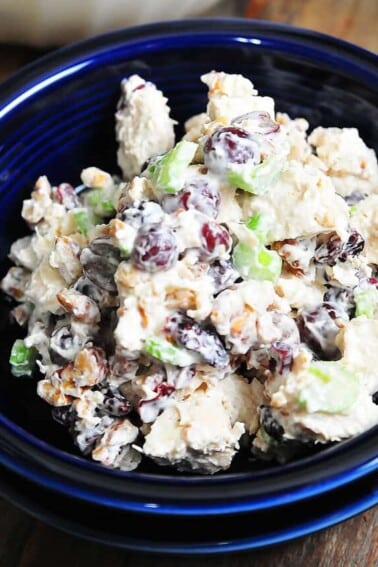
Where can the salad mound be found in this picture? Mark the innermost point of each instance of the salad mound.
(221, 292)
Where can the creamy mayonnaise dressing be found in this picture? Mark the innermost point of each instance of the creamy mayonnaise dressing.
(221, 295)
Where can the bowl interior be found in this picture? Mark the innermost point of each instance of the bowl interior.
(57, 116)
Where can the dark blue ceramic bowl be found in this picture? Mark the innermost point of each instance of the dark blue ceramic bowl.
(56, 117)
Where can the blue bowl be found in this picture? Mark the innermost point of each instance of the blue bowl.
(56, 117)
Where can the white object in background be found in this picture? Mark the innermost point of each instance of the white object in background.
(55, 22)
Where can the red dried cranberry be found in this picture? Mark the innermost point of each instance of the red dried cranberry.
(329, 251)
(353, 246)
(193, 336)
(318, 329)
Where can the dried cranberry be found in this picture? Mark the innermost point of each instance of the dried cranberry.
(230, 145)
(155, 248)
(223, 273)
(270, 424)
(281, 357)
(215, 240)
(327, 252)
(164, 389)
(353, 246)
(114, 404)
(193, 336)
(318, 329)
(64, 415)
(63, 345)
(198, 193)
(334, 249)
(140, 213)
(343, 298)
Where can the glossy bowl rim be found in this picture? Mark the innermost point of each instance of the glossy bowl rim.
(34, 77)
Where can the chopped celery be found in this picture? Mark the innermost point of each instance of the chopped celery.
(352, 210)
(85, 220)
(82, 222)
(168, 171)
(125, 252)
(22, 359)
(367, 302)
(257, 262)
(254, 222)
(100, 200)
(258, 178)
(257, 223)
(167, 352)
(332, 388)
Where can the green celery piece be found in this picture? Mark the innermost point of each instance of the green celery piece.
(101, 202)
(257, 223)
(168, 172)
(367, 302)
(258, 178)
(254, 222)
(85, 220)
(82, 222)
(257, 262)
(22, 358)
(333, 388)
(106, 207)
(352, 210)
(167, 352)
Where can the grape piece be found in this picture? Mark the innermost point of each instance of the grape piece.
(67, 196)
(198, 193)
(227, 146)
(155, 248)
(216, 241)
(100, 262)
(259, 121)
(193, 336)
(278, 356)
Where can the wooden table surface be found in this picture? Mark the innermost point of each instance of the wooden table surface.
(26, 542)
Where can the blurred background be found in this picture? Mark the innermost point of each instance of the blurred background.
(29, 28)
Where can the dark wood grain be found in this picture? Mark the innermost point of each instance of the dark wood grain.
(26, 542)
